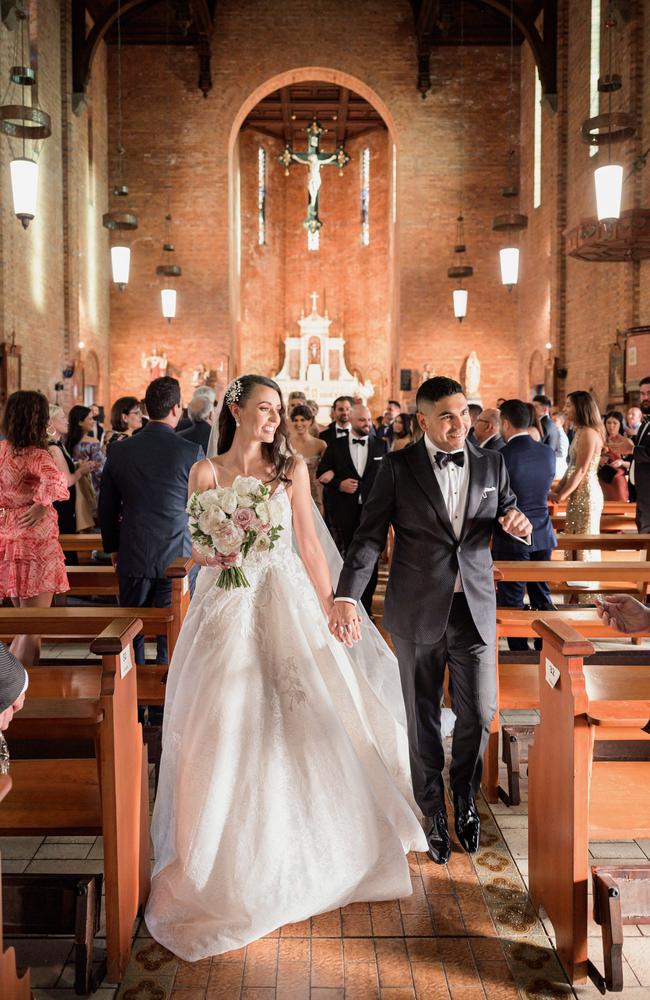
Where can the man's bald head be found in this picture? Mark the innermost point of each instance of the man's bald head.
(487, 425)
(360, 419)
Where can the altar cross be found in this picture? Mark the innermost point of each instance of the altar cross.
(313, 159)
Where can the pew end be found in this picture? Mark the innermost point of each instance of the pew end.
(621, 896)
(12, 986)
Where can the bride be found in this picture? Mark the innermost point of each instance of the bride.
(284, 788)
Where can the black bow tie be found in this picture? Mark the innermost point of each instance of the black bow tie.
(445, 457)
(361, 441)
(342, 434)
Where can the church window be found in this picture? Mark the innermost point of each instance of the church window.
(537, 143)
(594, 66)
(365, 197)
(261, 196)
(313, 240)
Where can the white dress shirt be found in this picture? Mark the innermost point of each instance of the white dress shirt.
(453, 481)
(342, 432)
(359, 452)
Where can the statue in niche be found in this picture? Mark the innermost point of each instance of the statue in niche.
(314, 351)
(472, 375)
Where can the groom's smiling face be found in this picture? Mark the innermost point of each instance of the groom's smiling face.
(446, 422)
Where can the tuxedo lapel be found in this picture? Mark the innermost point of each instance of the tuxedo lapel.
(420, 465)
(347, 466)
(477, 472)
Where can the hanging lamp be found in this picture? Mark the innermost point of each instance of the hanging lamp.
(607, 129)
(460, 269)
(169, 272)
(512, 222)
(27, 124)
(121, 222)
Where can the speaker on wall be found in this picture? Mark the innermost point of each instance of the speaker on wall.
(405, 379)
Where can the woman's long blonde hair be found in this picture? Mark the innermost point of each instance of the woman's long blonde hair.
(587, 413)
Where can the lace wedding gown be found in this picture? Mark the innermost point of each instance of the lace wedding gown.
(284, 787)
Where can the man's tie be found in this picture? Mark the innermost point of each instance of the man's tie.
(341, 434)
(361, 441)
(445, 457)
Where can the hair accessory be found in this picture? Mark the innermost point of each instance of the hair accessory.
(233, 393)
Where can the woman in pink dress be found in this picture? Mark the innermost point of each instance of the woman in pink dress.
(32, 566)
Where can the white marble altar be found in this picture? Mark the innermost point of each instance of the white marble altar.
(314, 363)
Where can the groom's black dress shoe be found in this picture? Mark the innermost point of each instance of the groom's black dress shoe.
(438, 838)
(467, 823)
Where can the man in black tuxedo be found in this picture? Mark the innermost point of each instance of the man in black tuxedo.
(639, 451)
(444, 498)
(531, 469)
(487, 430)
(340, 425)
(142, 504)
(550, 431)
(200, 412)
(354, 460)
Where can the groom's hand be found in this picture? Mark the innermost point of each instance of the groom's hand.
(516, 523)
(344, 623)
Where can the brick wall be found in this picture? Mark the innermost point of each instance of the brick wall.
(54, 278)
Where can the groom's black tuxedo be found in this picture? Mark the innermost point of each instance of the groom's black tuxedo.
(427, 555)
(433, 626)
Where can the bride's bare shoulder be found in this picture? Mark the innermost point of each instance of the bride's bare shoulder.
(202, 474)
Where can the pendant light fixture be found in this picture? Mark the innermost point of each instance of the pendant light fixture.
(512, 222)
(169, 272)
(460, 269)
(121, 222)
(605, 129)
(27, 125)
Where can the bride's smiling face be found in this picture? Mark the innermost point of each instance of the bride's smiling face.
(260, 415)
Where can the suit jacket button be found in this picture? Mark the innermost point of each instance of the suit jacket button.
(458, 549)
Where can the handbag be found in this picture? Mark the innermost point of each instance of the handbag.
(606, 474)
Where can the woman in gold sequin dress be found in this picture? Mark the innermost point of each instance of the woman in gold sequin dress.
(580, 486)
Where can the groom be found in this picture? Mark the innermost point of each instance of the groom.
(444, 498)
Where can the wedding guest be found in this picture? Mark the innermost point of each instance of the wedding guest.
(550, 434)
(126, 417)
(98, 416)
(613, 468)
(340, 426)
(311, 448)
(535, 428)
(57, 430)
(531, 468)
(82, 443)
(474, 413)
(201, 413)
(32, 567)
(315, 410)
(402, 431)
(638, 452)
(558, 419)
(142, 504)
(383, 426)
(295, 399)
(487, 430)
(580, 486)
(355, 461)
(13, 684)
(633, 421)
(500, 402)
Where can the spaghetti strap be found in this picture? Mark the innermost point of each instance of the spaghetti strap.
(214, 472)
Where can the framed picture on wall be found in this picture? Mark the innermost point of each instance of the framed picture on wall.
(616, 373)
(10, 373)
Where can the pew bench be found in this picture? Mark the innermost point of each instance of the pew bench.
(621, 896)
(12, 986)
(63, 795)
(611, 508)
(609, 523)
(609, 577)
(585, 798)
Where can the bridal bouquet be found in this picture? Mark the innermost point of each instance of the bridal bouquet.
(227, 524)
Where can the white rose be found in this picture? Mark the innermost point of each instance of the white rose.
(243, 485)
(209, 498)
(228, 538)
(229, 502)
(275, 510)
(204, 550)
(262, 543)
(210, 520)
(263, 512)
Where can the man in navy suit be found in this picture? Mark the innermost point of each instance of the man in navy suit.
(142, 504)
(531, 468)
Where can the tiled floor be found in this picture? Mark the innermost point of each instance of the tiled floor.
(467, 931)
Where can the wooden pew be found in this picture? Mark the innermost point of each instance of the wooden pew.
(81, 544)
(12, 986)
(604, 543)
(571, 797)
(609, 523)
(517, 683)
(616, 576)
(611, 508)
(63, 795)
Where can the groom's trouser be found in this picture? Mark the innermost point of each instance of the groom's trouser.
(472, 684)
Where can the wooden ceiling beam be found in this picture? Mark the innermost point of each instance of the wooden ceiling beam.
(285, 102)
(342, 115)
(544, 49)
(425, 14)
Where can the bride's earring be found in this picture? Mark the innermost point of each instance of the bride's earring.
(236, 423)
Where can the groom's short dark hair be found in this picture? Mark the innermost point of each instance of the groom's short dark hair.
(436, 388)
(516, 411)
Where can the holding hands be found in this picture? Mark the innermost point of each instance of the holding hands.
(344, 623)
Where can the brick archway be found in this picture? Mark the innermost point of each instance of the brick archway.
(286, 78)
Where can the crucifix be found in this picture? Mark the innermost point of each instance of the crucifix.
(314, 159)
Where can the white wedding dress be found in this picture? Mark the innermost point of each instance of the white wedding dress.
(284, 787)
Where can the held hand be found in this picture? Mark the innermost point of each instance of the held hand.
(349, 485)
(86, 466)
(344, 623)
(624, 613)
(31, 516)
(516, 523)
(326, 478)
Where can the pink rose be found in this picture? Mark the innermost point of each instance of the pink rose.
(243, 518)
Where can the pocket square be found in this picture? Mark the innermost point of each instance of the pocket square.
(378, 458)
(488, 489)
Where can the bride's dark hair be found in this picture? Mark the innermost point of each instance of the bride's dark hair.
(278, 453)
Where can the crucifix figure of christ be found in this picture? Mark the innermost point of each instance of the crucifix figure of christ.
(314, 159)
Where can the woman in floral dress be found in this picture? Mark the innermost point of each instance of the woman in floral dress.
(32, 567)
